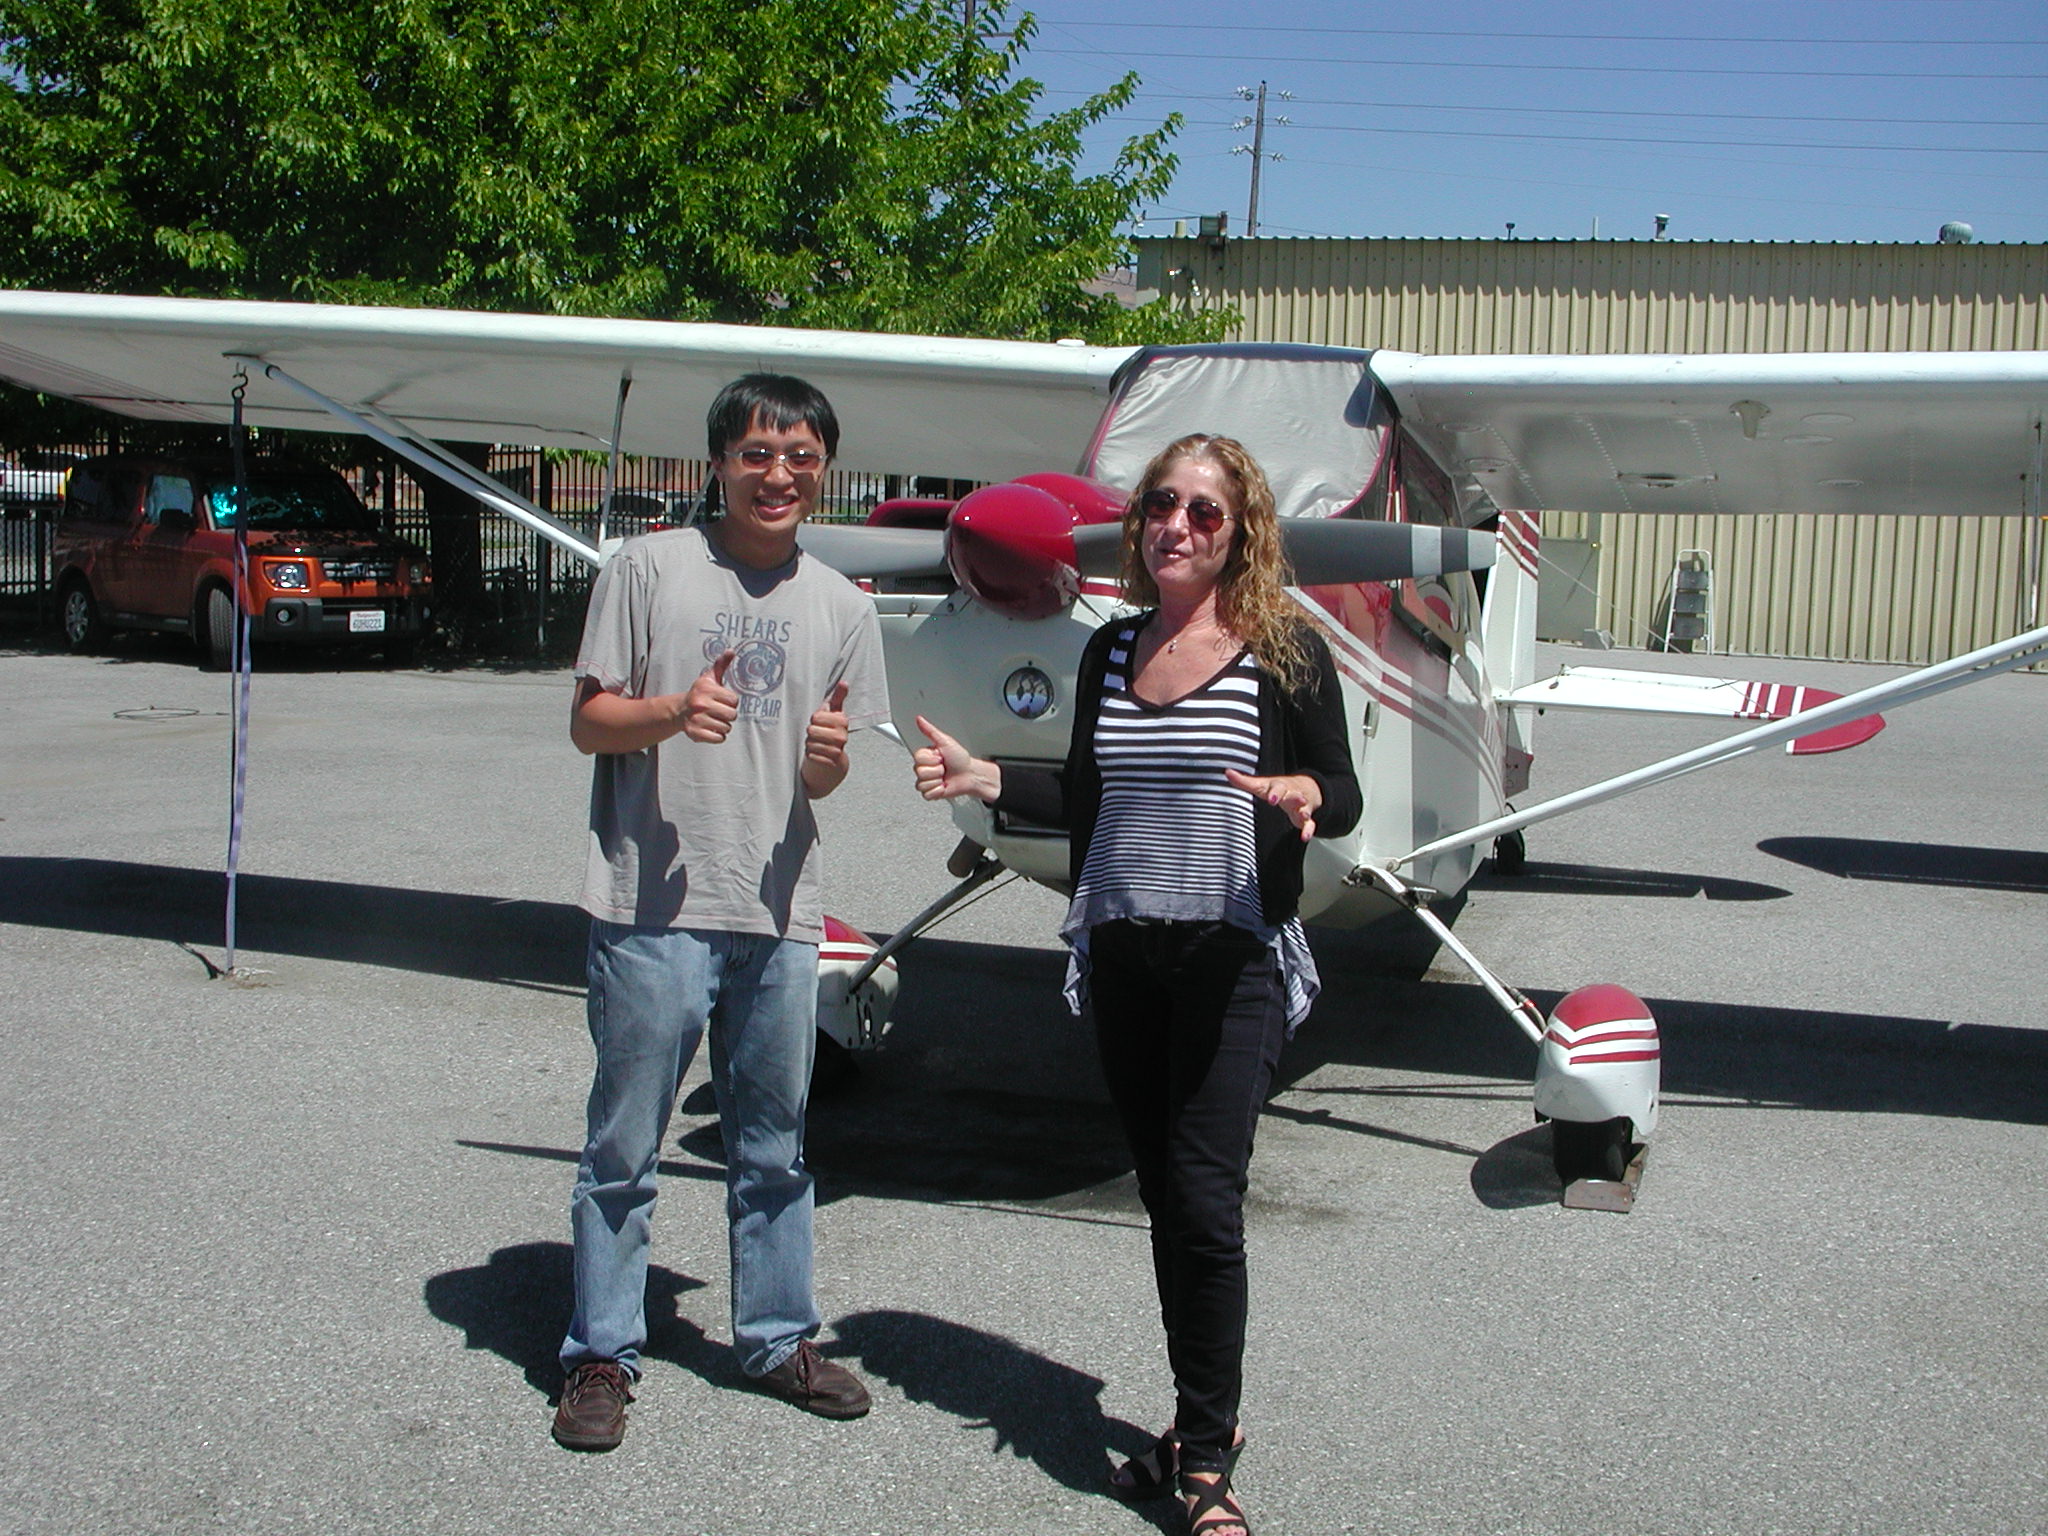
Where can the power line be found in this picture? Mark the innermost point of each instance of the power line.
(2005, 180)
(1182, 97)
(1572, 37)
(1600, 69)
(1433, 172)
(1635, 139)
(1668, 148)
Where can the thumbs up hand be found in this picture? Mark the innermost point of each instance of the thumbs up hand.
(825, 741)
(825, 762)
(946, 770)
(710, 708)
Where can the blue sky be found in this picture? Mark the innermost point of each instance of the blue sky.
(1799, 120)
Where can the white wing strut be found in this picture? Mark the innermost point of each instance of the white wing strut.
(1957, 672)
(442, 466)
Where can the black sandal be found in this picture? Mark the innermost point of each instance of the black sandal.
(1150, 1473)
(1212, 1499)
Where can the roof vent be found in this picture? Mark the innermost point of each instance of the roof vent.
(1954, 233)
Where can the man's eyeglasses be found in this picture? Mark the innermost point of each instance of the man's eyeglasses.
(1204, 516)
(801, 461)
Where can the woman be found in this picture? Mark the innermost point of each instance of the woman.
(1209, 745)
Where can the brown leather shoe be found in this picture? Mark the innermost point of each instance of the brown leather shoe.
(592, 1413)
(816, 1384)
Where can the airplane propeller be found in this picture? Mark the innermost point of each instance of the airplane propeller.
(1022, 548)
(856, 551)
(1327, 552)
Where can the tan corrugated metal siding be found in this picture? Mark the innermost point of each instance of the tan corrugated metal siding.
(1864, 589)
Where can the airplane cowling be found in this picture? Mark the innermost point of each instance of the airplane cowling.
(1600, 1060)
(1089, 500)
(1012, 547)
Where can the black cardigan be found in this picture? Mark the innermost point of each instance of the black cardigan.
(1299, 732)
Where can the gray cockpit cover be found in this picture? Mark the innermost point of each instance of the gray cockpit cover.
(1306, 414)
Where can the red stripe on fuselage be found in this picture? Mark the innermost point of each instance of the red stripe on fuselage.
(1368, 665)
(1521, 537)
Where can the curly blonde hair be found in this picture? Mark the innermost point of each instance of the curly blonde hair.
(1251, 597)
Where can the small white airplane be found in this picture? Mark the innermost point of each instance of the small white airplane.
(1410, 486)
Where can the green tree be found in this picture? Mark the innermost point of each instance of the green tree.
(846, 164)
(838, 163)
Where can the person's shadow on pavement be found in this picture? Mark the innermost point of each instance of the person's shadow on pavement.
(518, 1306)
(1037, 1408)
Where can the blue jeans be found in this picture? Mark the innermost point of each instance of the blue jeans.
(653, 991)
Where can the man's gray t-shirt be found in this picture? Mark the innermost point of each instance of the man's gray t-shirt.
(719, 835)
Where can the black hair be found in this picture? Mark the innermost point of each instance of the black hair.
(779, 401)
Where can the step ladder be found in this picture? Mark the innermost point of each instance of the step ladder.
(1689, 614)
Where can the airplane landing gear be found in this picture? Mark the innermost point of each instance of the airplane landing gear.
(1597, 1151)
(857, 977)
(1597, 1065)
(1598, 1072)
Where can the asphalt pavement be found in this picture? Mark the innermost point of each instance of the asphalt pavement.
(289, 1252)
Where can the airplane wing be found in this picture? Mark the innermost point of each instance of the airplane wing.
(1867, 432)
(965, 409)
(1897, 432)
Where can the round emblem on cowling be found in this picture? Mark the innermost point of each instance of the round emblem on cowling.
(1028, 692)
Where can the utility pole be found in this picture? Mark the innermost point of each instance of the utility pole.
(1257, 148)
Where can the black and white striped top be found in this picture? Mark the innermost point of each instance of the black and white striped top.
(1173, 840)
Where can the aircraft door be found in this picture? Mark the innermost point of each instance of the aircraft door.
(1455, 752)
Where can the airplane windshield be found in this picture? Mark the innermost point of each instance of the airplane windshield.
(295, 500)
(1311, 416)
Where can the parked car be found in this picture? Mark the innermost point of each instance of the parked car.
(147, 541)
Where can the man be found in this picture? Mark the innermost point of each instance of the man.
(719, 676)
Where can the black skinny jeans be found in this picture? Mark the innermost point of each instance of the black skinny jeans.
(1189, 1019)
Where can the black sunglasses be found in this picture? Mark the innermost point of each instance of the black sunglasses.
(1204, 516)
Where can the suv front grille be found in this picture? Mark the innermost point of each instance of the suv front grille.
(359, 570)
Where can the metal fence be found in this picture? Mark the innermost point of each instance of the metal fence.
(534, 593)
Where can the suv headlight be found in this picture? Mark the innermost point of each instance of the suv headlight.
(417, 572)
(288, 575)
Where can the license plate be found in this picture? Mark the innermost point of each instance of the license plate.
(366, 622)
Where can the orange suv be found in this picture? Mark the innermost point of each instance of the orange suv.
(147, 541)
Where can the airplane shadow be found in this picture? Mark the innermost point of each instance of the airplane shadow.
(988, 1090)
(1591, 880)
(1794, 1058)
(441, 933)
(1860, 858)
